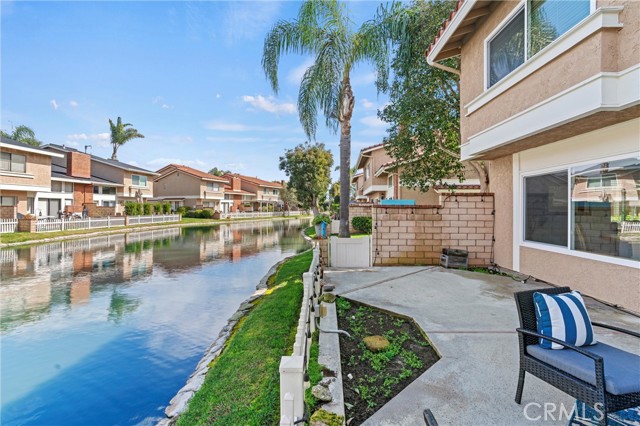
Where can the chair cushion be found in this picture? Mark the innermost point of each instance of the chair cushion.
(621, 368)
(564, 317)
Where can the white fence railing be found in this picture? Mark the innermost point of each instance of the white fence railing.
(630, 227)
(294, 367)
(250, 215)
(49, 225)
(8, 225)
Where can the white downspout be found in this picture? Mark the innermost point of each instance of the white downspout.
(443, 67)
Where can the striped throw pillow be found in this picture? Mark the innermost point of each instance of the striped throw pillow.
(563, 316)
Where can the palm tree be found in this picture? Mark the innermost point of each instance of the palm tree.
(323, 29)
(121, 134)
(23, 134)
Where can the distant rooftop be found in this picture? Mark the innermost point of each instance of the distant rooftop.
(114, 163)
(10, 143)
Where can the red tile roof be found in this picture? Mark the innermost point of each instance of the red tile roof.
(444, 26)
(256, 180)
(194, 172)
(227, 189)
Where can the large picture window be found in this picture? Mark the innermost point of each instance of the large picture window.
(137, 180)
(593, 208)
(529, 31)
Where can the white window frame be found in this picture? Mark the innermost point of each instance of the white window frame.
(522, 4)
(213, 186)
(11, 155)
(565, 250)
(15, 201)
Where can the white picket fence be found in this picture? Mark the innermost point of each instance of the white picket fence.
(250, 215)
(49, 225)
(630, 227)
(293, 368)
(8, 225)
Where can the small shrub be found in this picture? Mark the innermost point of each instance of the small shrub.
(183, 210)
(206, 214)
(166, 207)
(146, 209)
(321, 218)
(362, 224)
(131, 208)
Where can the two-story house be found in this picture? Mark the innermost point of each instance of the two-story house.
(550, 98)
(25, 180)
(185, 186)
(75, 183)
(267, 194)
(378, 178)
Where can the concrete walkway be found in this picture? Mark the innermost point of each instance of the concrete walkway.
(471, 320)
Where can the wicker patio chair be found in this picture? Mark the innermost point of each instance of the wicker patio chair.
(559, 367)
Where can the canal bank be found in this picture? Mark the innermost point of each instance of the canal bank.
(236, 381)
(49, 237)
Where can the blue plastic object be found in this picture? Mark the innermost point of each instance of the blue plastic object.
(323, 230)
(397, 202)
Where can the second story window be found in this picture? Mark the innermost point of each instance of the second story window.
(63, 187)
(275, 192)
(137, 180)
(265, 191)
(213, 186)
(528, 31)
(367, 171)
(13, 163)
(390, 182)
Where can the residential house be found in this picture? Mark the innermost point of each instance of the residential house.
(235, 197)
(267, 194)
(75, 184)
(550, 98)
(185, 186)
(26, 181)
(110, 182)
(378, 178)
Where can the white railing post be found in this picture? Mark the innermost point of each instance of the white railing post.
(62, 224)
(292, 387)
(108, 221)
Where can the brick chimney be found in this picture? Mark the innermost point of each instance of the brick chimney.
(78, 164)
(236, 184)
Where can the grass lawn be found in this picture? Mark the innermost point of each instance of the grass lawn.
(310, 231)
(243, 385)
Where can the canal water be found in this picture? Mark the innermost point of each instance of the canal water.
(104, 331)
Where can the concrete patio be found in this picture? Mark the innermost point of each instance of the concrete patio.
(470, 319)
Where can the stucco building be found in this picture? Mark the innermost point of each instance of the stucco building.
(550, 98)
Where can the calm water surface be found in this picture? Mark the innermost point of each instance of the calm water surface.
(104, 331)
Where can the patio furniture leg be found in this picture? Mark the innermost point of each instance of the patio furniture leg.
(520, 385)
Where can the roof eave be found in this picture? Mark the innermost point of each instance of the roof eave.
(433, 54)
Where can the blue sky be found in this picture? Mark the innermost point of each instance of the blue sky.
(187, 75)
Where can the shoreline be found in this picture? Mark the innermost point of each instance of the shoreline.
(140, 228)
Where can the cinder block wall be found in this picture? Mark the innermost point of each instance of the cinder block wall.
(8, 212)
(416, 235)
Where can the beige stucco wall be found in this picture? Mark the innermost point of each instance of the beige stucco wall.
(429, 198)
(37, 170)
(606, 50)
(129, 190)
(377, 158)
(177, 184)
(501, 184)
(612, 283)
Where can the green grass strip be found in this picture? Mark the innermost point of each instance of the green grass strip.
(243, 385)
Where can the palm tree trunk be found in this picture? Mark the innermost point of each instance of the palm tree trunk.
(114, 156)
(346, 112)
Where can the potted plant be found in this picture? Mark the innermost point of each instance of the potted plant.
(318, 221)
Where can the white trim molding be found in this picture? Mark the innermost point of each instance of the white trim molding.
(459, 16)
(605, 17)
(18, 175)
(606, 91)
(11, 187)
(375, 188)
(583, 254)
(33, 150)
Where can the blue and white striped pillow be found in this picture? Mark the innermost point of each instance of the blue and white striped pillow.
(564, 317)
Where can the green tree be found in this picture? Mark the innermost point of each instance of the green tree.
(121, 134)
(309, 169)
(289, 197)
(23, 134)
(218, 172)
(324, 30)
(424, 104)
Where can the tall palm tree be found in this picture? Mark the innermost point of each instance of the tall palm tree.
(323, 29)
(121, 134)
(23, 134)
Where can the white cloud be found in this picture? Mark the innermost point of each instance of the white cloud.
(165, 106)
(159, 100)
(54, 104)
(367, 104)
(250, 139)
(234, 167)
(100, 139)
(373, 121)
(218, 96)
(161, 162)
(249, 20)
(73, 103)
(296, 74)
(269, 105)
(133, 163)
(363, 79)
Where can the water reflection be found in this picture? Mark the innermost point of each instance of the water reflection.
(146, 304)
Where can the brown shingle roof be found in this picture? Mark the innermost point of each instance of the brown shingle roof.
(256, 180)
